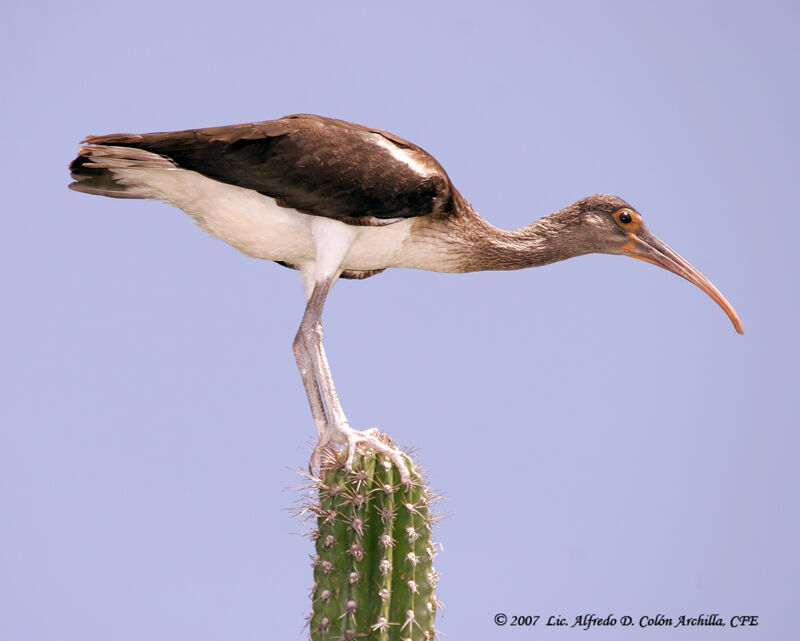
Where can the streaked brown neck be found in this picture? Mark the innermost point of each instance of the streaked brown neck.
(479, 245)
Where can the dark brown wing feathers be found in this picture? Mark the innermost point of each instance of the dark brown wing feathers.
(316, 165)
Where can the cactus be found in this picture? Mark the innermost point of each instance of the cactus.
(373, 568)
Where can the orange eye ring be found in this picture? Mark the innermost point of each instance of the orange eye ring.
(628, 219)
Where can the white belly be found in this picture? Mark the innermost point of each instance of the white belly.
(255, 224)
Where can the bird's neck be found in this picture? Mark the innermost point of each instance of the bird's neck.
(544, 241)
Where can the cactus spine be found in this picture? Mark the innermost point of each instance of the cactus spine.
(373, 568)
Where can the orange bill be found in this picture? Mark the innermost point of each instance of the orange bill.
(644, 246)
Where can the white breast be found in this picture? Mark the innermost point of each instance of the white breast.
(255, 224)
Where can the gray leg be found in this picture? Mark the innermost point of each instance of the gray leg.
(303, 359)
(321, 391)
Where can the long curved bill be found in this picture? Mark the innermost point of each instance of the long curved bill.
(644, 246)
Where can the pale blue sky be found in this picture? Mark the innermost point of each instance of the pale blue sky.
(607, 442)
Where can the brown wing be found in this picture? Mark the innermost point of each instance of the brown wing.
(316, 165)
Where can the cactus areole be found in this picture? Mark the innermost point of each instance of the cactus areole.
(373, 568)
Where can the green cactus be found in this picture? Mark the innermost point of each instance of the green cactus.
(373, 568)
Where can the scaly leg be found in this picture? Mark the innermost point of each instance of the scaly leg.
(319, 382)
(304, 364)
(305, 361)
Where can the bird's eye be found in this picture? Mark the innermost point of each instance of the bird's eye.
(628, 219)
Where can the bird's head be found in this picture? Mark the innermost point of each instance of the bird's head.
(609, 225)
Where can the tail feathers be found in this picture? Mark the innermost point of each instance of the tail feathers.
(94, 170)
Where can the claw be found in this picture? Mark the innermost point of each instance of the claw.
(316, 455)
(346, 435)
(351, 451)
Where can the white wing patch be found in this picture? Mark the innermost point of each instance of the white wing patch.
(402, 155)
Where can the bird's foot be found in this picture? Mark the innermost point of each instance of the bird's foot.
(343, 434)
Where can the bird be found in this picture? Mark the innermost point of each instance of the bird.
(335, 199)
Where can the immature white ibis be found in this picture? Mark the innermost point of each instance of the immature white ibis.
(335, 199)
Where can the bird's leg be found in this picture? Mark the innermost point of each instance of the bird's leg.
(308, 346)
(304, 364)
